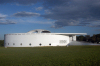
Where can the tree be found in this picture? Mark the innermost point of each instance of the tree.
(81, 38)
(87, 37)
(93, 38)
(1, 42)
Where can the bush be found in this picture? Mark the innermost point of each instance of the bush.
(1, 42)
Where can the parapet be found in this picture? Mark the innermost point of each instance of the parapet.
(39, 31)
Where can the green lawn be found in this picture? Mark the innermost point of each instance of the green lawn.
(50, 56)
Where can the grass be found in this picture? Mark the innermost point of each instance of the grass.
(50, 56)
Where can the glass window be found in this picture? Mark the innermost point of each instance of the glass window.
(40, 44)
(50, 44)
(21, 44)
(13, 43)
(30, 44)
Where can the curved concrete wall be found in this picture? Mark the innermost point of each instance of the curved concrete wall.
(35, 39)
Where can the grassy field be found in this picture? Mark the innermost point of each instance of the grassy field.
(50, 56)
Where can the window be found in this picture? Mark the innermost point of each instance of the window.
(40, 44)
(8, 43)
(21, 44)
(45, 31)
(50, 44)
(30, 44)
(13, 43)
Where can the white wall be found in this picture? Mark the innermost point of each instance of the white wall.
(35, 39)
(70, 39)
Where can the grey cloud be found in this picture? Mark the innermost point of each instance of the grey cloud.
(2, 16)
(22, 2)
(64, 12)
(97, 30)
(26, 14)
(39, 8)
(73, 12)
(7, 22)
(94, 25)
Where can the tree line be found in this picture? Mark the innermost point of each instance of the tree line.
(1, 42)
(93, 39)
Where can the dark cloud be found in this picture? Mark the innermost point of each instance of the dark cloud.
(26, 14)
(7, 22)
(72, 12)
(97, 30)
(65, 12)
(22, 2)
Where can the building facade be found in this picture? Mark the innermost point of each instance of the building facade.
(39, 37)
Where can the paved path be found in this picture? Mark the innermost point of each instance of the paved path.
(82, 43)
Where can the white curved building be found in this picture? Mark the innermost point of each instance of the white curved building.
(39, 37)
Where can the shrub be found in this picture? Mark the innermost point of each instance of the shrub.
(1, 42)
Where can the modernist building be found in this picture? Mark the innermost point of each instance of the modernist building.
(39, 37)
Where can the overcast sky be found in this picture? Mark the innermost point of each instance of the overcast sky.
(64, 16)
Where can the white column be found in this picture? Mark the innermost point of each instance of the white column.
(74, 38)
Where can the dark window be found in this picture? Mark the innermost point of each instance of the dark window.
(21, 44)
(8, 43)
(50, 44)
(40, 44)
(45, 31)
(13, 43)
(30, 44)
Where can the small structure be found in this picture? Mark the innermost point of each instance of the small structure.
(39, 37)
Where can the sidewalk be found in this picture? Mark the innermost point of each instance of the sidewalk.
(81, 43)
